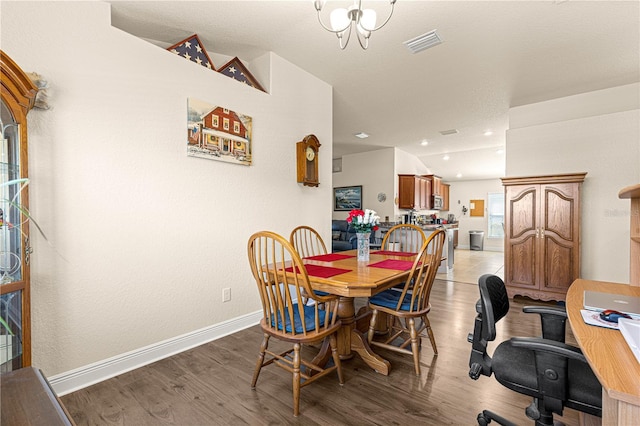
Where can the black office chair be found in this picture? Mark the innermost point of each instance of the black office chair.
(555, 374)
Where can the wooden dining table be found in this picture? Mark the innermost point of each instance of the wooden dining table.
(357, 279)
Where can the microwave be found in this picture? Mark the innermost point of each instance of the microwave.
(437, 202)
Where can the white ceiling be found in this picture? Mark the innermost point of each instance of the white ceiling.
(495, 55)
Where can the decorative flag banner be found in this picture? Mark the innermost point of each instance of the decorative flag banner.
(192, 49)
(236, 70)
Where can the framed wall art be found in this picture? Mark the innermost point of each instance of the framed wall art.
(347, 198)
(218, 133)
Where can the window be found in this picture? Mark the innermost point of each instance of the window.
(496, 215)
(236, 127)
(225, 123)
(214, 121)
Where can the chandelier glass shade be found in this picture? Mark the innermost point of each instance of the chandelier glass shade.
(343, 21)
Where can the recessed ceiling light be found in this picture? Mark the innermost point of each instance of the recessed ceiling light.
(459, 175)
(488, 133)
(361, 135)
(424, 142)
(445, 158)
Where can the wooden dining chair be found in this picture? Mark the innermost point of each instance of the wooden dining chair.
(307, 242)
(411, 304)
(273, 260)
(404, 237)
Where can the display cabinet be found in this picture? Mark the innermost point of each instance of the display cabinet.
(18, 97)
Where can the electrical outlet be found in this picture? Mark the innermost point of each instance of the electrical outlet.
(226, 294)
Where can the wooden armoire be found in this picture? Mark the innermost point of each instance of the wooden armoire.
(542, 235)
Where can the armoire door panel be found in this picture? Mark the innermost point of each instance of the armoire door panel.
(522, 263)
(559, 266)
(522, 208)
(559, 212)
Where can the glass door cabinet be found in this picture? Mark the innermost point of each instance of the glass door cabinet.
(18, 96)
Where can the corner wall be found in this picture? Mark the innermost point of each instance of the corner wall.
(141, 238)
(374, 171)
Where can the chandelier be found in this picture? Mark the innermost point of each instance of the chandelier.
(343, 20)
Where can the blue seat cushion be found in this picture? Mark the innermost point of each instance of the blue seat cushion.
(309, 318)
(389, 299)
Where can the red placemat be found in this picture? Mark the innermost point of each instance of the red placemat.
(321, 271)
(394, 253)
(330, 257)
(400, 265)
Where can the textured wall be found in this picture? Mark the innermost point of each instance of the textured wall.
(597, 133)
(142, 238)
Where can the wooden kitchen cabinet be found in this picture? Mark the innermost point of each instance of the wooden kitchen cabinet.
(436, 184)
(414, 192)
(542, 235)
(445, 196)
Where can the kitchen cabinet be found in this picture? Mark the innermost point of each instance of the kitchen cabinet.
(414, 192)
(436, 184)
(445, 196)
(542, 235)
(18, 97)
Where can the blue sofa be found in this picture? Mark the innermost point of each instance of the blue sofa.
(343, 236)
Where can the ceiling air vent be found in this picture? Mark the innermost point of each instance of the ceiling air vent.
(423, 42)
(449, 132)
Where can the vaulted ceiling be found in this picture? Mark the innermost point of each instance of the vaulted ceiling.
(495, 55)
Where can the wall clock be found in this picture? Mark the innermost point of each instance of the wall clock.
(307, 161)
(382, 197)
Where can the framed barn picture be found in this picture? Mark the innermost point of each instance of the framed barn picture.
(218, 133)
(347, 198)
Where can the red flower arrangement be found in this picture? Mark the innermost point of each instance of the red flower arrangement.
(364, 220)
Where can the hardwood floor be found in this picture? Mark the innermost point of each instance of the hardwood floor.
(210, 385)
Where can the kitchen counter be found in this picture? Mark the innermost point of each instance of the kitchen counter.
(436, 226)
(430, 227)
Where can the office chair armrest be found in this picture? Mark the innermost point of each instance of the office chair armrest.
(553, 321)
(546, 310)
(549, 346)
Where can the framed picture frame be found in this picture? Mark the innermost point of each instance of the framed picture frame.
(347, 198)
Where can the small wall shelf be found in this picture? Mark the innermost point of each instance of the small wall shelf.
(633, 193)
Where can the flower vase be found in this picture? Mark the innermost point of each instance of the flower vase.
(363, 246)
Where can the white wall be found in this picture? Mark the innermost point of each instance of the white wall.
(597, 133)
(374, 171)
(141, 238)
(460, 193)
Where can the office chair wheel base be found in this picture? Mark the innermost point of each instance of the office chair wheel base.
(532, 411)
(483, 420)
(487, 416)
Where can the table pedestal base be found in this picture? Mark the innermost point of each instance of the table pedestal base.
(352, 338)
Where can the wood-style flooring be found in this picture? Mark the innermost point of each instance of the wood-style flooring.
(210, 385)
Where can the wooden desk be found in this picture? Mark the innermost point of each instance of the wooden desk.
(361, 281)
(608, 355)
(27, 399)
